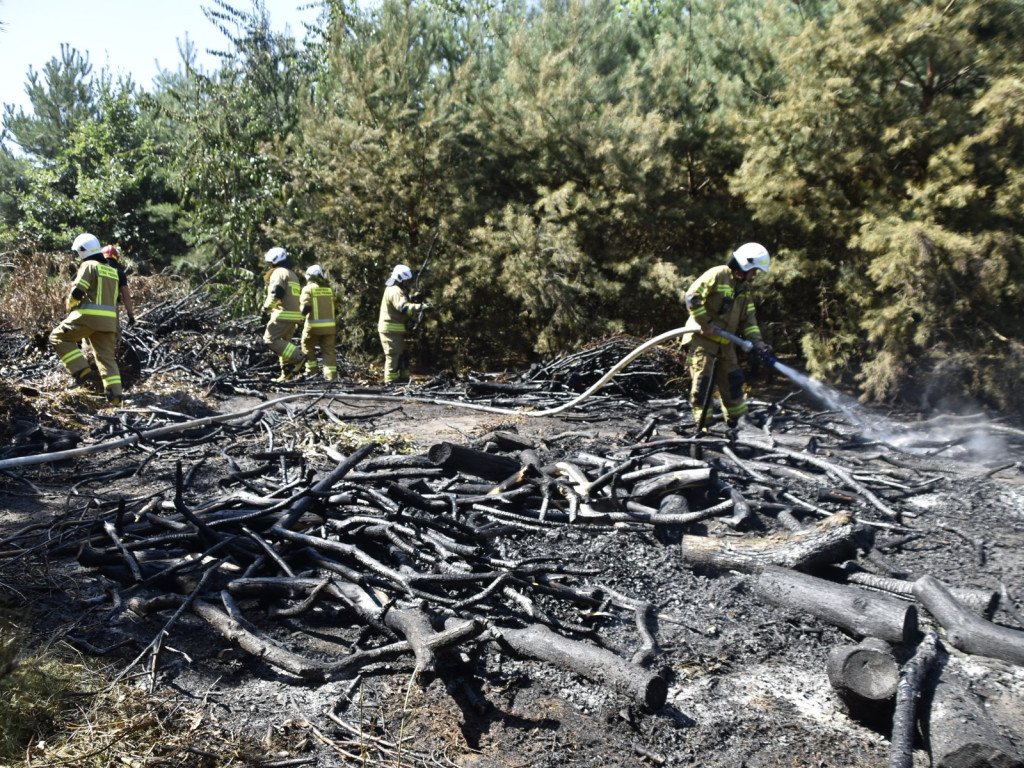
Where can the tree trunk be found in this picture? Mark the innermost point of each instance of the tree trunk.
(829, 541)
(857, 611)
(964, 630)
(459, 458)
(865, 677)
(868, 670)
(597, 664)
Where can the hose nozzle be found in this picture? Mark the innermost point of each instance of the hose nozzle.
(746, 346)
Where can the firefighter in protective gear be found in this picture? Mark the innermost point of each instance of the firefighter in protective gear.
(316, 303)
(92, 315)
(395, 309)
(281, 311)
(720, 300)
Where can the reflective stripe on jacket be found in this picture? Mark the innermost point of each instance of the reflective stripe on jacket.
(394, 307)
(99, 283)
(283, 290)
(718, 298)
(319, 299)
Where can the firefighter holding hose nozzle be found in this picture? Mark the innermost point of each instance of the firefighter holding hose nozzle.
(720, 300)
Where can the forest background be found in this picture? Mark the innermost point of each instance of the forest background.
(555, 171)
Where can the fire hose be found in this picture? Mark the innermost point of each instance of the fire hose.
(747, 346)
(675, 332)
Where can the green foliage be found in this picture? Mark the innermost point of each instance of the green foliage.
(560, 170)
(105, 180)
(226, 126)
(61, 102)
(876, 165)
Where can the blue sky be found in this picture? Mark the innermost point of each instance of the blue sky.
(122, 36)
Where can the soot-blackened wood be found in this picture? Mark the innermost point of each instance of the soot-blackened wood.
(415, 627)
(305, 503)
(959, 732)
(912, 680)
(830, 540)
(597, 664)
(261, 647)
(857, 611)
(865, 676)
(982, 601)
(672, 481)
(966, 631)
(397, 461)
(506, 442)
(459, 458)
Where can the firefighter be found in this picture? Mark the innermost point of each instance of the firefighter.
(316, 303)
(720, 300)
(395, 309)
(92, 315)
(124, 296)
(281, 312)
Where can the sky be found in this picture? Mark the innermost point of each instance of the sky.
(123, 36)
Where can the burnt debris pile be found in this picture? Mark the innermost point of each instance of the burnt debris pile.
(327, 560)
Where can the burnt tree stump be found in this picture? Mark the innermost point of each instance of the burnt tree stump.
(865, 676)
(959, 731)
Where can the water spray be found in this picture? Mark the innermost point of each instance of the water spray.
(823, 392)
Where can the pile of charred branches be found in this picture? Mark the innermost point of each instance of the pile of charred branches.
(428, 556)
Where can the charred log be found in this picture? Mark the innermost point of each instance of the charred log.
(829, 541)
(963, 629)
(597, 664)
(856, 611)
(958, 730)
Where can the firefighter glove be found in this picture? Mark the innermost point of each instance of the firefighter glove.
(131, 321)
(264, 316)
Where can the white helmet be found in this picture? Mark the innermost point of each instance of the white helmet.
(275, 255)
(400, 274)
(314, 271)
(752, 256)
(86, 245)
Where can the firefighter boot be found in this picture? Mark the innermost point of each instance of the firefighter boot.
(88, 379)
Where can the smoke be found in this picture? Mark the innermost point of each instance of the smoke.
(973, 437)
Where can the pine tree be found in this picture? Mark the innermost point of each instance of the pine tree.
(877, 166)
(62, 99)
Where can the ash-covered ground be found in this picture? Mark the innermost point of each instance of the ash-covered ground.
(746, 679)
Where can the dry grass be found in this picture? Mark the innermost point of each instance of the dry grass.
(35, 287)
(58, 709)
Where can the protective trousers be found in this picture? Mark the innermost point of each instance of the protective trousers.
(278, 336)
(728, 380)
(65, 339)
(325, 338)
(396, 357)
